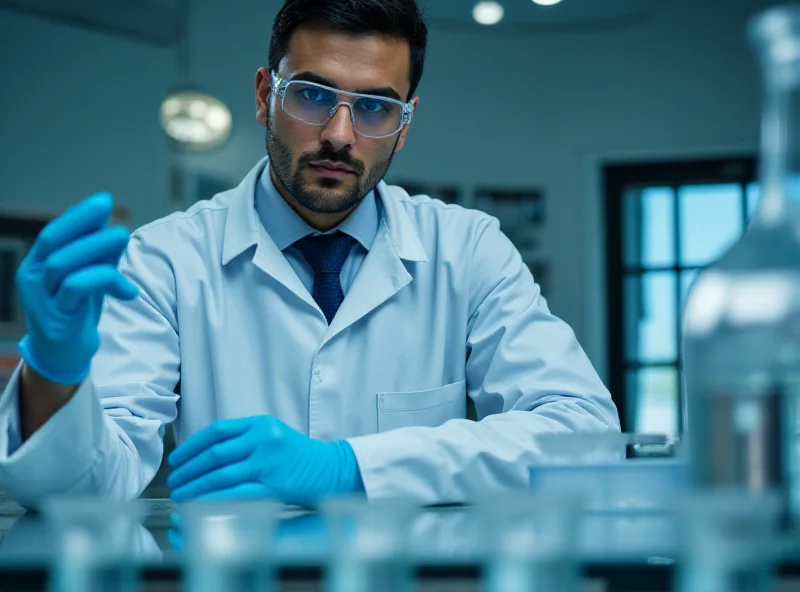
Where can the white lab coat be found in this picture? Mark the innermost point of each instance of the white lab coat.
(443, 308)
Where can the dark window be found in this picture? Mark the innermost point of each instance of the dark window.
(664, 223)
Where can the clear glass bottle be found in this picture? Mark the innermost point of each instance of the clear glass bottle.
(742, 318)
(728, 542)
(229, 544)
(531, 541)
(370, 549)
(95, 544)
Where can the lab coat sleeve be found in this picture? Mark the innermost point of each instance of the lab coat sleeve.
(107, 439)
(526, 374)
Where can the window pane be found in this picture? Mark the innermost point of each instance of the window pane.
(650, 310)
(753, 195)
(650, 227)
(653, 393)
(711, 219)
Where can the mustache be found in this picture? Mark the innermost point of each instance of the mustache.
(333, 156)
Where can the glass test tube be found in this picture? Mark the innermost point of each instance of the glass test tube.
(94, 543)
(369, 545)
(729, 541)
(532, 542)
(228, 545)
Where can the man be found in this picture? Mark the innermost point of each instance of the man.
(314, 331)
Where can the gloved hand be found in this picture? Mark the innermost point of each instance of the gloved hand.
(62, 281)
(261, 457)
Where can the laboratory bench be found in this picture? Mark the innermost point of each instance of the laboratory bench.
(622, 551)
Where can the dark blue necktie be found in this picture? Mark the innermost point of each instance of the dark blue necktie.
(326, 254)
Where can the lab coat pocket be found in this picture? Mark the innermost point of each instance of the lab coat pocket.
(429, 408)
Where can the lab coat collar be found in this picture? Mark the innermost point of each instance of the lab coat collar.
(401, 231)
(242, 225)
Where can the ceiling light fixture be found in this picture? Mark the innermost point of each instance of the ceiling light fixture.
(546, 2)
(488, 13)
(193, 119)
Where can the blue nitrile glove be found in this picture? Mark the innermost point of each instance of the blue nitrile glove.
(175, 532)
(62, 282)
(261, 457)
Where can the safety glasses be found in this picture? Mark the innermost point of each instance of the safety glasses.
(316, 104)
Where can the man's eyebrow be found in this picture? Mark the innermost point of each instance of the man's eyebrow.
(386, 91)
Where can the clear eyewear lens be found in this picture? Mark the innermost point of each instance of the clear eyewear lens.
(314, 104)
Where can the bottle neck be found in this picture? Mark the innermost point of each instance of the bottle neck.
(780, 155)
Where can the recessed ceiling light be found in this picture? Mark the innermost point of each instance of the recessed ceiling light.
(488, 13)
(546, 2)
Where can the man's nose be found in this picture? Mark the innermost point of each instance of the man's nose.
(339, 132)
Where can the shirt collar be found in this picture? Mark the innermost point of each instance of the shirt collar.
(242, 224)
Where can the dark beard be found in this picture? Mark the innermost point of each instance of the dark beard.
(321, 201)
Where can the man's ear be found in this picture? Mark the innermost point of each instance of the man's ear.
(263, 88)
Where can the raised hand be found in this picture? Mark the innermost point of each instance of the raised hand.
(62, 281)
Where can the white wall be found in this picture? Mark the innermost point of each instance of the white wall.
(79, 113)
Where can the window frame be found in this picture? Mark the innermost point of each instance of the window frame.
(617, 179)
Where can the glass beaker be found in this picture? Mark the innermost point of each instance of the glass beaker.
(228, 545)
(532, 542)
(742, 318)
(95, 543)
(369, 545)
(729, 541)
(582, 448)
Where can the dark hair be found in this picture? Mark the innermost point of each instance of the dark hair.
(399, 18)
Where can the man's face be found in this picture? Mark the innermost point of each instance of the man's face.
(328, 169)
